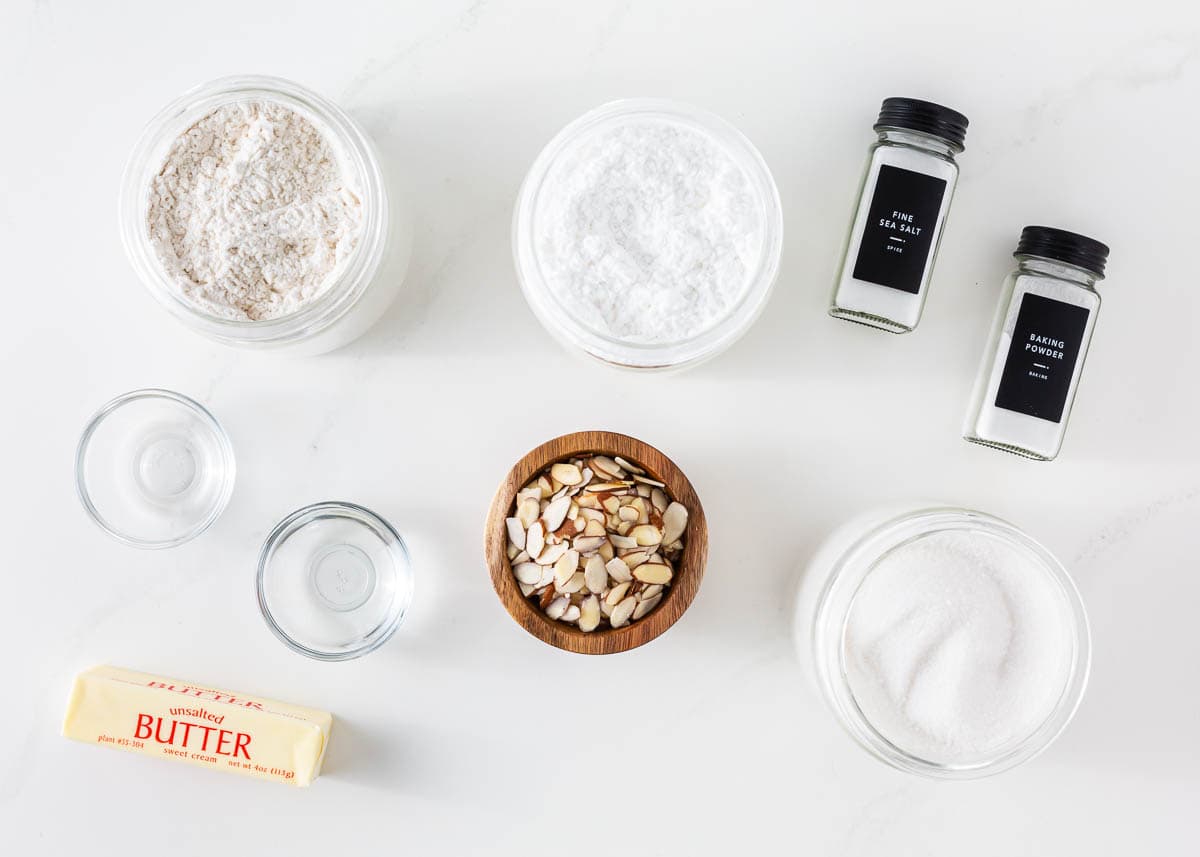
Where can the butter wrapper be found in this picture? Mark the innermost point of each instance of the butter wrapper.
(218, 729)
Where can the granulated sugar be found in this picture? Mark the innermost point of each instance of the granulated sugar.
(957, 645)
(252, 211)
(648, 231)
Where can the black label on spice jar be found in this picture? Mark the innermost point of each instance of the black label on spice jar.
(899, 233)
(1041, 357)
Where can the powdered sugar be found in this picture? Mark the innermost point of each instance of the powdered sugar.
(252, 211)
(648, 231)
(957, 646)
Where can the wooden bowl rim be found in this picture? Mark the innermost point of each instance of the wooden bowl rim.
(689, 569)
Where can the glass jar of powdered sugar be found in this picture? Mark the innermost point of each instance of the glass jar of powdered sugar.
(947, 642)
(647, 234)
(307, 268)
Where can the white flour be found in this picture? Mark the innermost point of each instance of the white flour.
(648, 231)
(251, 211)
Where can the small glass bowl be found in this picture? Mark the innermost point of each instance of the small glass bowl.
(154, 469)
(558, 319)
(356, 295)
(831, 582)
(334, 581)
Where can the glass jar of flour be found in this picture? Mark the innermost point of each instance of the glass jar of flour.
(1035, 355)
(256, 212)
(902, 205)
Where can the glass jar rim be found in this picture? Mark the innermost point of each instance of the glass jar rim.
(849, 572)
(558, 318)
(347, 282)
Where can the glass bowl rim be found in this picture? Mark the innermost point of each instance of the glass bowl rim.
(305, 515)
(224, 445)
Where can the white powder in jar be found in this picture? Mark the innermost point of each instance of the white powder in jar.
(648, 231)
(957, 646)
(252, 211)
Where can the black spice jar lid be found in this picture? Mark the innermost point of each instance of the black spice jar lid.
(923, 116)
(1063, 246)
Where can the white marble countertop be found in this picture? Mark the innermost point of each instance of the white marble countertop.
(454, 737)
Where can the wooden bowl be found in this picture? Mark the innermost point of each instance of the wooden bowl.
(689, 569)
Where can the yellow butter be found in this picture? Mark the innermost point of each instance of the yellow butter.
(172, 719)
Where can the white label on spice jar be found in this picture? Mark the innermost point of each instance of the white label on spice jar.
(1041, 357)
(898, 235)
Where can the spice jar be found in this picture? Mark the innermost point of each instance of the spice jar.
(1033, 360)
(902, 205)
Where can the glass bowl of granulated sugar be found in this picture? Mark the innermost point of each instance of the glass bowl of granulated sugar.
(255, 211)
(648, 234)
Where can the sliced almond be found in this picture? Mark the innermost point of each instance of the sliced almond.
(528, 511)
(547, 575)
(528, 572)
(567, 474)
(611, 504)
(592, 514)
(545, 487)
(604, 464)
(633, 560)
(594, 528)
(573, 584)
(645, 607)
(606, 551)
(551, 553)
(645, 480)
(625, 513)
(609, 487)
(565, 568)
(535, 538)
(624, 542)
(589, 544)
(652, 573)
(572, 614)
(675, 520)
(622, 612)
(512, 552)
(618, 570)
(595, 575)
(588, 501)
(617, 593)
(646, 535)
(658, 497)
(525, 589)
(558, 607)
(649, 592)
(623, 463)
(516, 532)
(556, 513)
(589, 613)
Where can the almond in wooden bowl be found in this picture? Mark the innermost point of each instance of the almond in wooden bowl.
(570, 462)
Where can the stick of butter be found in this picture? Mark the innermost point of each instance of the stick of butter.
(164, 717)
